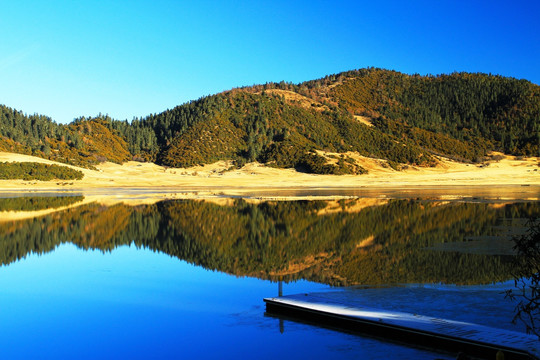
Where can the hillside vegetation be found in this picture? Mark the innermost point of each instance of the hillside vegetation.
(84, 142)
(413, 120)
(37, 171)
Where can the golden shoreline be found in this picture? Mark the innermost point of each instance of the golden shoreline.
(507, 175)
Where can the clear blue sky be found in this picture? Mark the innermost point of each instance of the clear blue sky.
(131, 58)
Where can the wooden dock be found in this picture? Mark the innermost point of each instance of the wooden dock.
(455, 336)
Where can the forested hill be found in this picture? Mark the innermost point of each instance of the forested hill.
(404, 119)
(84, 142)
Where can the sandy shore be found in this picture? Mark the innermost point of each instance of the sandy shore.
(254, 176)
(136, 183)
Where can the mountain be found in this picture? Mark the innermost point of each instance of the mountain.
(312, 126)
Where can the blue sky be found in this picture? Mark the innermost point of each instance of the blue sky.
(66, 59)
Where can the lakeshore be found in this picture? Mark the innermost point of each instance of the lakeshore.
(508, 171)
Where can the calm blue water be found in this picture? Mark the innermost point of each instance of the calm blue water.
(92, 293)
(134, 303)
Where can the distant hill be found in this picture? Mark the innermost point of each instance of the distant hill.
(398, 118)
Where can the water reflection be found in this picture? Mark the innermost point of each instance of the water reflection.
(342, 242)
(34, 203)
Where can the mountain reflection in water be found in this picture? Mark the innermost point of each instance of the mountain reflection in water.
(340, 242)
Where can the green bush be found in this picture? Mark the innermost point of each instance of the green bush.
(37, 171)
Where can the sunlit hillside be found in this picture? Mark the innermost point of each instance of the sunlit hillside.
(399, 118)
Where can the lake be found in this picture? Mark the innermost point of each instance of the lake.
(185, 278)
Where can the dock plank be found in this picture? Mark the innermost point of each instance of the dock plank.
(472, 337)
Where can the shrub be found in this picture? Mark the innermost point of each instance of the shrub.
(37, 171)
(527, 278)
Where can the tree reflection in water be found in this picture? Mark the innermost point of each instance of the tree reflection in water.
(345, 242)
